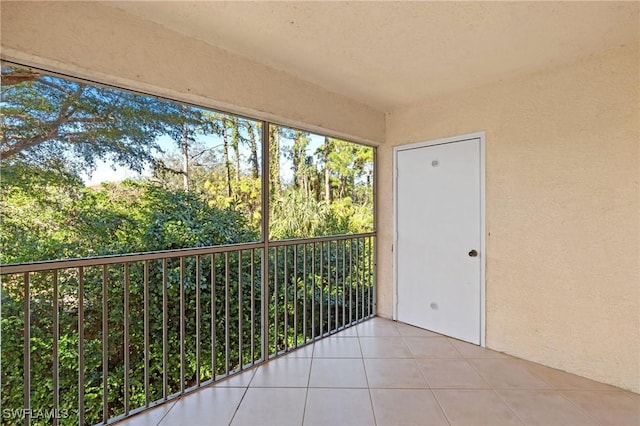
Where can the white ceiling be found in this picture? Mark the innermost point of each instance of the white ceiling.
(390, 54)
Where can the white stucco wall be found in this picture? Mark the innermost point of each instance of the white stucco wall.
(102, 43)
(563, 285)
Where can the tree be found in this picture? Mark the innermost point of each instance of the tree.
(253, 146)
(274, 158)
(62, 124)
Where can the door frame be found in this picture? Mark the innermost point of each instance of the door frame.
(482, 249)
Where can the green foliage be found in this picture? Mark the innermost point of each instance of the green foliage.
(43, 221)
(208, 195)
(52, 121)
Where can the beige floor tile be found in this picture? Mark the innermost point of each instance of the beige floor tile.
(394, 364)
(399, 407)
(469, 350)
(634, 396)
(431, 347)
(208, 406)
(337, 347)
(303, 352)
(411, 331)
(475, 407)
(338, 407)
(271, 406)
(451, 374)
(377, 328)
(542, 407)
(566, 381)
(384, 347)
(149, 418)
(379, 320)
(337, 373)
(283, 372)
(347, 332)
(508, 373)
(608, 408)
(239, 380)
(394, 373)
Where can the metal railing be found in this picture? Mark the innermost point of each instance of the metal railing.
(95, 340)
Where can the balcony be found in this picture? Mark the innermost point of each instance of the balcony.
(185, 335)
(389, 373)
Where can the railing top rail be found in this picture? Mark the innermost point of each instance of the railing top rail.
(49, 265)
(280, 243)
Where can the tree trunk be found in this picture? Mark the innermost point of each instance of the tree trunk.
(227, 162)
(295, 158)
(274, 158)
(253, 145)
(185, 158)
(235, 144)
(327, 178)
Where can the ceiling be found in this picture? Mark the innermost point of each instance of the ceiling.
(391, 54)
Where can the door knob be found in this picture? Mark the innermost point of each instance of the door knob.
(473, 253)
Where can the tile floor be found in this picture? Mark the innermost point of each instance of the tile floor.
(385, 373)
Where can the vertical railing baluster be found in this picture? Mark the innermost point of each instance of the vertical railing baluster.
(227, 340)
(253, 300)
(265, 303)
(27, 350)
(147, 350)
(264, 309)
(362, 277)
(286, 300)
(365, 280)
(344, 283)
(356, 279)
(240, 309)
(125, 332)
(328, 298)
(165, 332)
(374, 282)
(198, 277)
(56, 337)
(313, 293)
(369, 274)
(336, 285)
(295, 296)
(105, 347)
(214, 353)
(182, 309)
(350, 280)
(275, 298)
(321, 289)
(81, 346)
(304, 294)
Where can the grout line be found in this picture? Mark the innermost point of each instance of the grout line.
(246, 389)
(366, 377)
(306, 393)
(504, 401)
(170, 408)
(473, 367)
(424, 375)
(238, 405)
(442, 410)
(580, 409)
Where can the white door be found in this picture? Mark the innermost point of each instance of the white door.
(439, 214)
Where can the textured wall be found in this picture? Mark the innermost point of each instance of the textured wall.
(91, 40)
(562, 168)
(562, 152)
